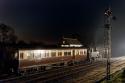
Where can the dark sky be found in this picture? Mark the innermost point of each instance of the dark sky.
(50, 19)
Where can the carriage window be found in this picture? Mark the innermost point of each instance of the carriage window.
(16, 56)
(30, 56)
(77, 52)
(37, 56)
(53, 54)
(69, 53)
(59, 53)
(81, 52)
(85, 52)
(65, 53)
(21, 55)
(47, 55)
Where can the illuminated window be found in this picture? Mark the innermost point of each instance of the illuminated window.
(30, 56)
(16, 56)
(81, 52)
(65, 53)
(53, 54)
(47, 54)
(85, 52)
(21, 55)
(77, 52)
(43, 54)
(37, 56)
(59, 53)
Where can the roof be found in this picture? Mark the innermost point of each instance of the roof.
(68, 41)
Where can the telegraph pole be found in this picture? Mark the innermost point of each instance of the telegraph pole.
(107, 40)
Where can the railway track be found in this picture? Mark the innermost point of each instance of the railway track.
(99, 75)
(7, 76)
(44, 74)
(58, 75)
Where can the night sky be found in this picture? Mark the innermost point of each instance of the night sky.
(51, 19)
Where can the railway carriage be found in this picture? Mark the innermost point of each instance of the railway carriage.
(43, 58)
(70, 51)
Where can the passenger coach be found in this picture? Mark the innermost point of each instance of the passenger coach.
(35, 59)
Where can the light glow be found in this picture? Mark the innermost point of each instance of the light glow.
(71, 45)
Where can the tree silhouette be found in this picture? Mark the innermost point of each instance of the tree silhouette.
(7, 34)
(7, 47)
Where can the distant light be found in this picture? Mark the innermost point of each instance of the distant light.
(65, 46)
(71, 45)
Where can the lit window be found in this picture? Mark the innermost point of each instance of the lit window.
(46, 54)
(77, 52)
(65, 53)
(81, 52)
(30, 56)
(53, 54)
(59, 53)
(37, 56)
(16, 56)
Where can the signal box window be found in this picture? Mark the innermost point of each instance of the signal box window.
(21, 55)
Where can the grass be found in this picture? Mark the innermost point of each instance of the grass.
(118, 77)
